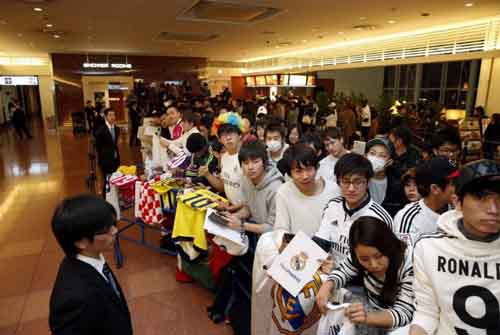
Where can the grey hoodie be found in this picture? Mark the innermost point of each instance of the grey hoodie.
(260, 198)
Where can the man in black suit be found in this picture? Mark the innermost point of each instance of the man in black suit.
(86, 298)
(106, 138)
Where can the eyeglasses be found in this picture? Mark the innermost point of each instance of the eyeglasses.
(354, 182)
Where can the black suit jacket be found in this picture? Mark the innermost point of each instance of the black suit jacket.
(106, 149)
(83, 303)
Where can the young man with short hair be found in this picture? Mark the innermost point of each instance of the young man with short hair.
(174, 118)
(259, 185)
(446, 142)
(229, 182)
(275, 142)
(457, 269)
(188, 125)
(301, 200)
(434, 179)
(405, 155)
(334, 144)
(86, 298)
(353, 173)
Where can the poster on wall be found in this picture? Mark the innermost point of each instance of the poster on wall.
(284, 79)
(272, 80)
(298, 80)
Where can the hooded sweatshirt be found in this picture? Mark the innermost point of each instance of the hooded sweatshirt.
(260, 198)
(457, 281)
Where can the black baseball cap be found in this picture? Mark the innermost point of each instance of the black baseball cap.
(435, 170)
(476, 171)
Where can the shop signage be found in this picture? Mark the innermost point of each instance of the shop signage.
(107, 65)
(19, 80)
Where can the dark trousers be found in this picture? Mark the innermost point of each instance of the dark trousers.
(22, 129)
(133, 140)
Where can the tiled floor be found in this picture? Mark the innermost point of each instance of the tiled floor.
(34, 176)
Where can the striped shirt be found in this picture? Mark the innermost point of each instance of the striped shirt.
(413, 220)
(337, 220)
(403, 308)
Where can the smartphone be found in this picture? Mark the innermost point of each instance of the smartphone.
(218, 219)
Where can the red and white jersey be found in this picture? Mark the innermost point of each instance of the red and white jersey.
(457, 281)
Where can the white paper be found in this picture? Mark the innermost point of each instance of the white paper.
(218, 230)
(297, 264)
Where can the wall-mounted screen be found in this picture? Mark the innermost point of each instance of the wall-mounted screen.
(297, 80)
(272, 80)
(260, 80)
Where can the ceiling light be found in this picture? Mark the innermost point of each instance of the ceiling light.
(362, 18)
(49, 25)
(341, 33)
(57, 36)
(38, 9)
(19, 35)
(3, 22)
(469, 4)
(391, 21)
(304, 41)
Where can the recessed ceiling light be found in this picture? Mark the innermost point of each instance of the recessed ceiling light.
(19, 35)
(3, 22)
(304, 41)
(391, 21)
(38, 9)
(57, 36)
(341, 33)
(49, 25)
(362, 18)
(469, 4)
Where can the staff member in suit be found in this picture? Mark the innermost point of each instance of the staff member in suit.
(86, 298)
(106, 139)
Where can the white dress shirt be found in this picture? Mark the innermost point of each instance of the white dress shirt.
(97, 264)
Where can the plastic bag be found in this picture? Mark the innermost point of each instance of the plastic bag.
(334, 322)
(112, 196)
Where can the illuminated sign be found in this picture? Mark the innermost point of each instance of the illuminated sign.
(107, 65)
(19, 80)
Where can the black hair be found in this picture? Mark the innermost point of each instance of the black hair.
(292, 127)
(253, 150)
(302, 155)
(216, 146)
(191, 117)
(423, 180)
(410, 174)
(331, 132)
(312, 138)
(402, 133)
(196, 142)
(353, 163)
(107, 110)
(275, 127)
(228, 128)
(446, 135)
(479, 188)
(373, 232)
(81, 217)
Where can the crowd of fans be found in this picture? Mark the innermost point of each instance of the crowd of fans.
(411, 231)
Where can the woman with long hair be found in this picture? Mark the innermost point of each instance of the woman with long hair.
(385, 264)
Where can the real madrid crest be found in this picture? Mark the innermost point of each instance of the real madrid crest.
(298, 262)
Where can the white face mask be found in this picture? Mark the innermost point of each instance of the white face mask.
(378, 163)
(274, 145)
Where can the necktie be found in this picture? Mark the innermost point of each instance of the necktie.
(113, 133)
(111, 280)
